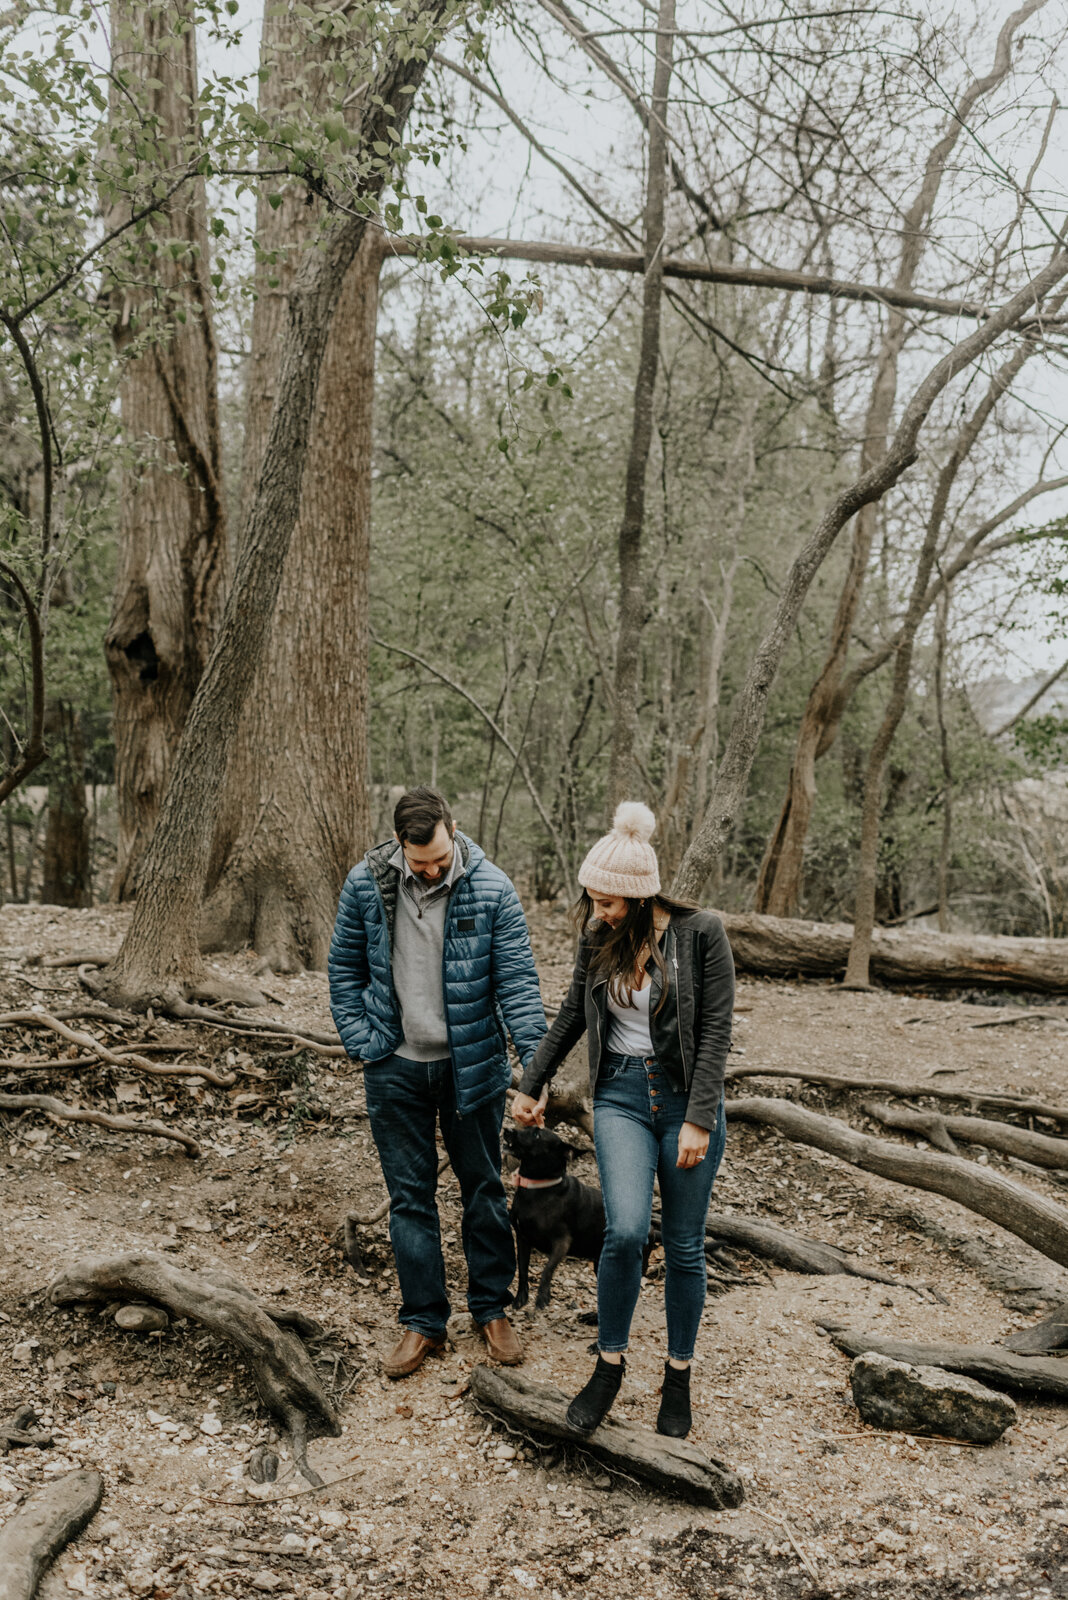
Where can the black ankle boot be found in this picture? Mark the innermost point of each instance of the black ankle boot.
(592, 1404)
(675, 1419)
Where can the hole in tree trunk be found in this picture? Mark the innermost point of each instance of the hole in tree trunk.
(142, 652)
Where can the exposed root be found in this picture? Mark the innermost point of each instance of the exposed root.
(44, 1525)
(284, 1376)
(59, 1111)
(128, 1058)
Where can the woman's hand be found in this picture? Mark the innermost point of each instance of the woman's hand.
(693, 1144)
(530, 1113)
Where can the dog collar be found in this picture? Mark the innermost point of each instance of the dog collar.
(536, 1183)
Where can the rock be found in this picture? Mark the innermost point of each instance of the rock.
(892, 1394)
(210, 1424)
(267, 1581)
(887, 1539)
(142, 1319)
(262, 1465)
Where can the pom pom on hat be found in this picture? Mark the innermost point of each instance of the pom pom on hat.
(634, 820)
(623, 862)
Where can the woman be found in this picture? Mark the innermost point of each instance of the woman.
(654, 988)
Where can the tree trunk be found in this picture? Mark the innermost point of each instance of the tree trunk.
(66, 846)
(871, 809)
(623, 771)
(296, 812)
(172, 525)
(945, 846)
(751, 703)
(779, 886)
(778, 946)
(160, 953)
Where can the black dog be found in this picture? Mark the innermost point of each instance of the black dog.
(551, 1212)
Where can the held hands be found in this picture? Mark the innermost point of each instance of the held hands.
(693, 1144)
(530, 1113)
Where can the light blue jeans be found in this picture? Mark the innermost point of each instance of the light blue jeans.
(637, 1115)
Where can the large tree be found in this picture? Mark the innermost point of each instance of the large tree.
(160, 954)
(295, 813)
(172, 554)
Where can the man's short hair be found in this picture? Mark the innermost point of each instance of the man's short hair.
(417, 814)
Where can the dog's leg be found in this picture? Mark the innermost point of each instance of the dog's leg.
(522, 1252)
(559, 1250)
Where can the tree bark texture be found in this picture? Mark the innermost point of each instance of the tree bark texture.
(1041, 1223)
(160, 953)
(779, 887)
(43, 1525)
(295, 813)
(172, 553)
(65, 860)
(733, 777)
(942, 1131)
(781, 946)
(623, 768)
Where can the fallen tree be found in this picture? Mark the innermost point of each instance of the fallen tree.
(672, 1464)
(269, 1340)
(1039, 1222)
(785, 947)
(1028, 1374)
(44, 1525)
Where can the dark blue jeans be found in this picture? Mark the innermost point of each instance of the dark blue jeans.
(636, 1120)
(406, 1100)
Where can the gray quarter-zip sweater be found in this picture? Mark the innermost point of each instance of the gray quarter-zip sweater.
(418, 947)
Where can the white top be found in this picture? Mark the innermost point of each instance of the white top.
(628, 1026)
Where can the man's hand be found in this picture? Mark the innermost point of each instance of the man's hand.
(693, 1145)
(530, 1113)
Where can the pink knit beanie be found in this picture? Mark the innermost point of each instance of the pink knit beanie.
(624, 862)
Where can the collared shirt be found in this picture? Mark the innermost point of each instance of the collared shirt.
(422, 893)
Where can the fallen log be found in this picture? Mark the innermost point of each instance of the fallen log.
(783, 947)
(672, 1464)
(1040, 1222)
(45, 1524)
(58, 1111)
(794, 1253)
(285, 1378)
(988, 1362)
(941, 1131)
(1042, 1337)
(907, 1088)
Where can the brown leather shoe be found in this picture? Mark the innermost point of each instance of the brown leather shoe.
(410, 1353)
(502, 1342)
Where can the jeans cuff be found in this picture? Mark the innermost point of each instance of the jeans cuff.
(428, 1333)
(612, 1349)
(679, 1355)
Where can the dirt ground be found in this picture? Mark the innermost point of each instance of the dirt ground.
(425, 1496)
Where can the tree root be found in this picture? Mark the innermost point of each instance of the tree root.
(672, 1464)
(45, 1524)
(1042, 1223)
(987, 1362)
(59, 1111)
(268, 1340)
(127, 1058)
(322, 1043)
(941, 1131)
(1042, 1337)
(794, 1253)
(909, 1090)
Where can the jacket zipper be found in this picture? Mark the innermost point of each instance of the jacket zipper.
(678, 1012)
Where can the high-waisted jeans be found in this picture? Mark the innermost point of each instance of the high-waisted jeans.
(637, 1115)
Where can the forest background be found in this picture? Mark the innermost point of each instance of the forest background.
(734, 477)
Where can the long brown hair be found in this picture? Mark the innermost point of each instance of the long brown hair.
(616, 950)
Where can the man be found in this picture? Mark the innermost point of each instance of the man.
(430, 955)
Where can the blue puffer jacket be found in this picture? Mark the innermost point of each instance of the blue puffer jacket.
(490, 981)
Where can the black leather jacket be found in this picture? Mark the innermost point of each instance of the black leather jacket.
(691, 1031)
